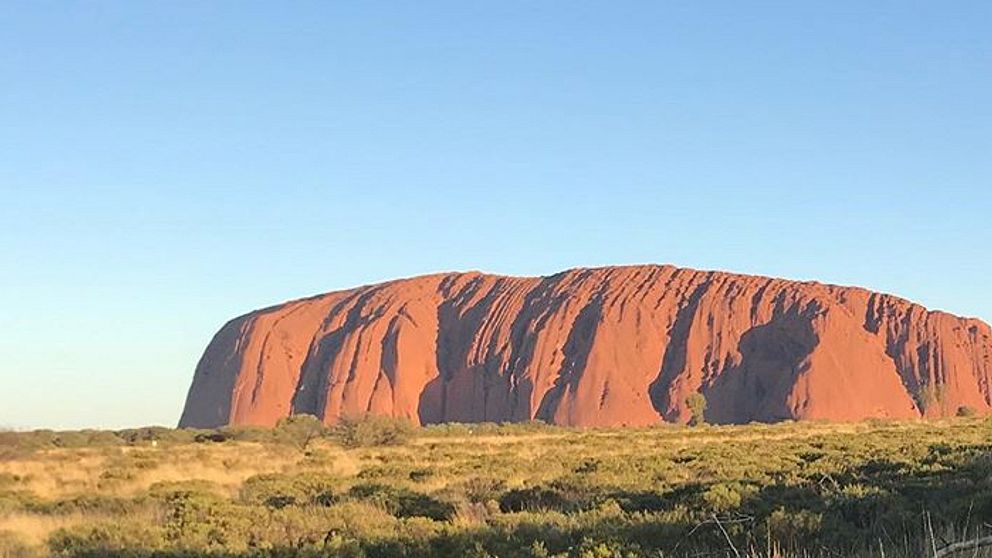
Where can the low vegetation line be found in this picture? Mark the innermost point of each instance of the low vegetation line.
(376, 487)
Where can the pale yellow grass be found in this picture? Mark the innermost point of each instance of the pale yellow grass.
(35, 529)
(229, 466)
(50, 475)
(65, 473)
(225, 466)
(488, 439)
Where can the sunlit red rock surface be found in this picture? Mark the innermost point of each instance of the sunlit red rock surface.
(593, 347)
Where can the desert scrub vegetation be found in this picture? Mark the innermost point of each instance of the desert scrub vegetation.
(373, 430)
(379, 488)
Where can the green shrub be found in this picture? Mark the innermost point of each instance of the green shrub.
(697, 409)
(203, 521)
(214, 436)
(966, 411)
(107, 538)
(480, 490)
(244, 433)
(86, 439)
(561, 495)
(401, 502)
(155, 434)
(163, 489)
(299, 430)
(92, 504)
(724, 497)
(15, 500)
(793, 527)
(372, 431)
(278, 490)
(535, 499)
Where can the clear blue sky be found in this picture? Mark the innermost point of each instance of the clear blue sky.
(165, 166)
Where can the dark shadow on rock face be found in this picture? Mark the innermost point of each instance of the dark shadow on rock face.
(772, 357)
(208, 403)
(576, 351)
(494, 389)
(673, 363)
(457, 327)
(312, 386)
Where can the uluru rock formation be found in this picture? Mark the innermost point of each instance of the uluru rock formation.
(593, 347)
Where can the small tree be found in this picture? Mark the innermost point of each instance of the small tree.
(966, 411)
(300, 430)
(697, 407)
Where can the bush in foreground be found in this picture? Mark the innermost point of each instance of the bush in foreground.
(373, 431)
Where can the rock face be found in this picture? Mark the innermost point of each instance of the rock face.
(593, 347)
